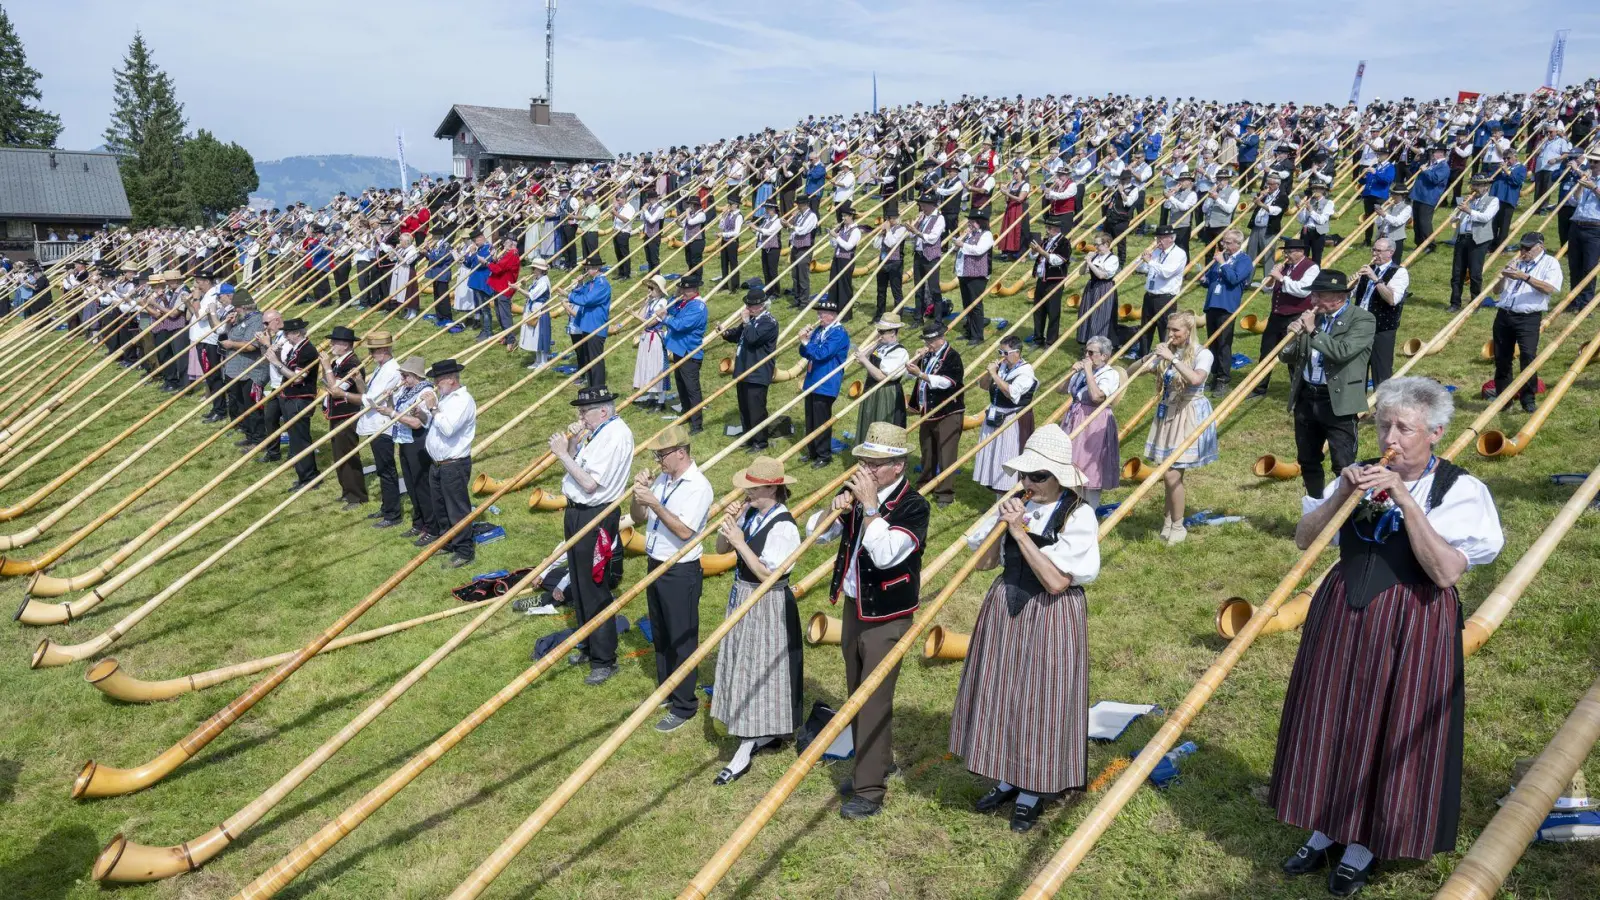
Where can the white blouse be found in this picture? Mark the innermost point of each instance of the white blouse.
(782, 540)
(1076, 551)
(1466, 517)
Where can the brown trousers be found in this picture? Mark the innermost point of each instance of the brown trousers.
(941, 444)
(352, 483)
(865, 645)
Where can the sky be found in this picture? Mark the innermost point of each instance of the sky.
(302, 77)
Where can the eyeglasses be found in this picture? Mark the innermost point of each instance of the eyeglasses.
(663, 454)
(1036, 477)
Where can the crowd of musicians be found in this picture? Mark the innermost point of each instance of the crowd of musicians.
(1369, 754)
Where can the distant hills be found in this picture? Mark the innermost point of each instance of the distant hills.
(315, 179)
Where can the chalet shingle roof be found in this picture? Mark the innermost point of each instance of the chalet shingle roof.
(507, 131)
(79, 186)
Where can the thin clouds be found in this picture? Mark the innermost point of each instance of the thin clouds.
(308, 76)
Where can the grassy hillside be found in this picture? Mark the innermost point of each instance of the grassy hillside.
(651, 817)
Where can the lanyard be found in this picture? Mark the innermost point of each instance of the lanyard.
(665, 498)
(596, 433)
(757, 520)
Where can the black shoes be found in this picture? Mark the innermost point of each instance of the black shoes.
(728, 776)
(821, 463)
(350, 505)
(995, 799)
(577, 658)
(455, 561)
(600, 675)
(1528, 405)
(213, 418)
(1024, 817)
(386, 523)
(1454, 307)
(412, 532)
(1306, 860)
(424, 539)
(1346, 881)
(858, 807)
(1259, 391)
(375, 515)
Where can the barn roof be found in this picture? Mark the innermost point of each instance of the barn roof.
(78, 186)
(509, 131)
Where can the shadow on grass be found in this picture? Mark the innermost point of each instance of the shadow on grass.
(56, 863)
(9, 770)
(404, 835)
(281, 817)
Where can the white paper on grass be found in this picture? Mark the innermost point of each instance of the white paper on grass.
(843, 746)
(1108, 719)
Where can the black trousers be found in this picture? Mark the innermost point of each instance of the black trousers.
(1369, 205)
(619, 248)
(1421, 221)
(770, 258)
(1314, 425)
(1584, 256)
(1516, 333)
(569, 245)
(1466, 267)
(305, 468)
(1541, 183)
(352, 481)
(925, 281)
(693, 253)
(211, 362)
(819, 409)
(1181, 236)
(442, 301)
(753, 411)
(891, 282)
(1502, 222)
(1047, 316)
(1564, 224)
(1155, 309)
(1381, 368)
(972, 301)
(388, 477)
(588, 597)
(841, 283)
(177, 360)
(1315, 241)
(416, 468)
(1208, 233)
(1277, 327)
(588, 347)
(591, 246)
(1221, 345)
(687, 378)
(652, 252)
(728, 258)
(243, 394)
(271, 417)
(448, 482)
(800, 273)
(674, 602)
(341, 281)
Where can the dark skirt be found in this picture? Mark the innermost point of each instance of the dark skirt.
(1099, 321)
(1369, 748)
(1022, 711)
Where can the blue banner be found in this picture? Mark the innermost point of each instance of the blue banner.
(1558, 50)
(1355, 89)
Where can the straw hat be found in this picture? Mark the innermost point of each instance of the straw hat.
(889, 322)
(885, 440)
(414, 365)
(764, 471)
(660, 282)
(671, 436)
(539, 262)
(1048, 450)
(379, 340)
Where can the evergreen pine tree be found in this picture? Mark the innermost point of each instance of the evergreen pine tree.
(146, 130)
(22, 122)
(219, 176)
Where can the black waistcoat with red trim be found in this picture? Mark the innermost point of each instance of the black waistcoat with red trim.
(892, 592)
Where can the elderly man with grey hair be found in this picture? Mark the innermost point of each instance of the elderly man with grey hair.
(1369, 746)
(1380, 288)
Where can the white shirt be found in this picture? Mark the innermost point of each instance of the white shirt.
(1399, 283)
(689, 497)
(1104, 265)
(893, 364)
(1076, 550)
(782, 540)
(386, 379)
(453, 428)
(606, 456)
(280, 346)
(884, 545)
(1466, 516)
(201, 331)
(1522, 297)
(1302, 286)
(1164, 270)
(1014, 383)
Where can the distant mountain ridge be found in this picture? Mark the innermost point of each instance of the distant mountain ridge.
(316, 179)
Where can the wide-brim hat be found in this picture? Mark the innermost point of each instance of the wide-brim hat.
(414, 365)
(763, 471)
(929, 199)
(172, 276)
(1048, 450)
(379, 340)
(888, 322)
(1185, 176)
(594, 396)
(539, 262)
(1483, 178)
(1330, 281)
(978, 215)
(294, 325)
(755, 297)
(826, 304)
(1165, 230)
(1294, 244)
(885, 440)
(1402, 190)
(444, 367)
(660, 281)
(1225, 173)
(932, 330)
(671, 436)
(342, 333)
(844, 209)
(690, 280)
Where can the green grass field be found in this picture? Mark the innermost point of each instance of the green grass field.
(643, 827)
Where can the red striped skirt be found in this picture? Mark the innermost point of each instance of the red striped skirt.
(1369, 747)
(1022, 711)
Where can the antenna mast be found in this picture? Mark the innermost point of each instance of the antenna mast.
(550, 52)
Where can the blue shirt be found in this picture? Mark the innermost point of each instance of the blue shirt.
(1249, 148)
(1588, 206)
(478, 269)
(816, 177)
(686, 328)
(1507, 186)
(440, 259)
(1225, 283)
(1430, 184)
(1376, 183)
(827, 351)
(593, 300)
(1152, 148)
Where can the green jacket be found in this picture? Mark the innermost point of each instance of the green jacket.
(1345, 350)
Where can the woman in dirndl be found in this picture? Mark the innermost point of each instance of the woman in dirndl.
(651, 360)
(1182, 366)
(534, 335)
(885, 361)
(1095, 450)
(1097, 307)
(759, 661)
(1011, 383)
(1370, 744)
(1021, 714)
(1014, 236)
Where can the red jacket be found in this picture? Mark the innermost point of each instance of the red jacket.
(416, 221)
(503, 272)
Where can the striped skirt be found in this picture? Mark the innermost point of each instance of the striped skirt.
(1369, 748)
(1022, 711)
(758, 690)
(988, 467)
(1182, 420)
